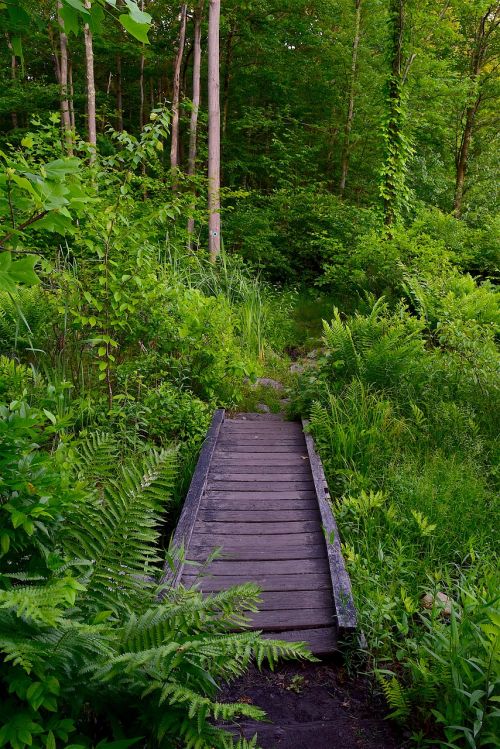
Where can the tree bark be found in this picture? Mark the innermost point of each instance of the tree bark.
(486, 27)
(119, 95)
(346, 146)
(193, 124)
(63, 83)
(176, 91)
(214, 238)
(89, 69)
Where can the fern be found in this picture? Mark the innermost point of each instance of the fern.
(396, 697)
(119, 531)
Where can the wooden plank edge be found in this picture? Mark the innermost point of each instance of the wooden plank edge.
(185, 525)
(341, 582)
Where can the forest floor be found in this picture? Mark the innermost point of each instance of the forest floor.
(314, 706)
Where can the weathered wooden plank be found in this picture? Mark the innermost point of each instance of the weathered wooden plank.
(255, 570)
(276, 620)
(258, 477)
(244, 529)
(257, 516)
(298, 469)
(256, 449)
(200, 552)
(259, 439)
(263, 461)
(241, 495)
(183, 532)
(288, 600)
(266, 582)
(321, 641)
(259, 486)
(278, 540)
(341, 584)
(250, 505)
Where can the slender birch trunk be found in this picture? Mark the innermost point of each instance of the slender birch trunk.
(346, 146)
(119, 95)
(176, 88)
(63, 83)
(89, 68)
(214, 238)
(193, 124)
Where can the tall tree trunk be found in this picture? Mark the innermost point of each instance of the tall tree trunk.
(63, 83)
(214, 238)
(89, 68)
(346, 146)
(394, 160)
(119, 95)
(176, 90)
(488, 24)
(193, 124)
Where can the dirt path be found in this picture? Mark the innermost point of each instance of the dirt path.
(314, 706)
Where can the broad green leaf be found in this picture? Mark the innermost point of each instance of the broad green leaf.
(70, 17)
(136, 14)
(77, 5)
(14, 272)
(137, 30)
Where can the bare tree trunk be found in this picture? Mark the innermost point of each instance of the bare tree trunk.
(174, 148)
(119, 95)
(488, 24)
(193, 124)
(214, 239)
(346, 147)
(89, 68)
(71, 95)
(63, 72)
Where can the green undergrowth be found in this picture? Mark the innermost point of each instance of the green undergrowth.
(404, 411)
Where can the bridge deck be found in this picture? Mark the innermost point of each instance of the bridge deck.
(260, 494)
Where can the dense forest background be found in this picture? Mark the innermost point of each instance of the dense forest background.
(354, 260)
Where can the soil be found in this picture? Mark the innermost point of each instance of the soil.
(313, 706)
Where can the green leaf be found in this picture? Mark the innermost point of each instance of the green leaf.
(13, 272)
(70, 18)
(137, 30)
(77, 5)
(136, 14)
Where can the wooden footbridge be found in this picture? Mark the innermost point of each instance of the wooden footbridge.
(259, 492)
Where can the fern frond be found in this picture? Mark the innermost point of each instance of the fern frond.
(119, 534)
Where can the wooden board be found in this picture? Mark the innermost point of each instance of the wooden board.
(251, 529)
(254, 570)
(341, 584)
(321, 641)
(257, 516)
(265, 582)
(200, 553)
